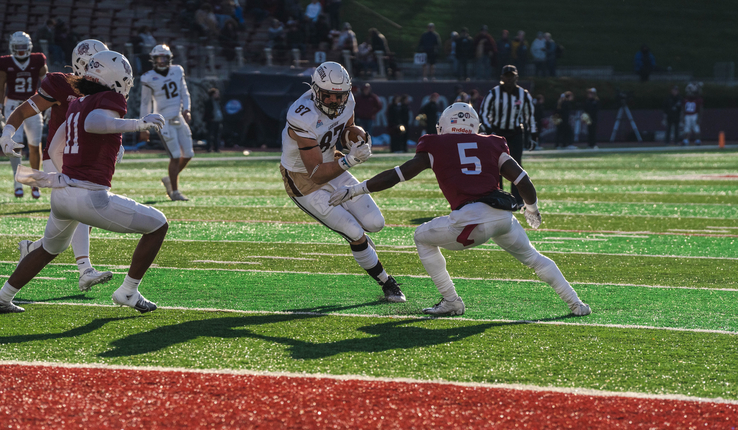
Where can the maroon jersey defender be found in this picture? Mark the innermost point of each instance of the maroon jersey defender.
(22, 82)
(692, 105)
(55, 87)
(466, 166)
(91, 157)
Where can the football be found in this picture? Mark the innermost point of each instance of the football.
(352, 135)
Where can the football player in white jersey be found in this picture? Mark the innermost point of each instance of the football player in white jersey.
(312, 168)
(164, 91)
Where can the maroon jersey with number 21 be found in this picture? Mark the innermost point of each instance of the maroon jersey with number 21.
(88, 156)
(466, 165)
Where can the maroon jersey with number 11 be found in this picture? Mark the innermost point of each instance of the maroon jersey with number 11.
(55, 87)
(88, 156)
(466, 165)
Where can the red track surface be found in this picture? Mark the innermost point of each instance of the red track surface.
(41, 397)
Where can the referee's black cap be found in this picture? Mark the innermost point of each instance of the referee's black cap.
(509, 69)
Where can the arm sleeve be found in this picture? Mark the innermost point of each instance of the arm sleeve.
(186, 102)
(104, 121)
(146, 95)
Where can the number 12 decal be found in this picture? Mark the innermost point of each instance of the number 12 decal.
(469, 160)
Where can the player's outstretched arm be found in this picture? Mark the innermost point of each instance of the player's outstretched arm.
(512, 171)
(33, 106)
(384, 180)
(105, 121)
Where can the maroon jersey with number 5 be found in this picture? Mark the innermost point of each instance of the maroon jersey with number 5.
(21, 83)
(56, 87)
(466, 165)
(88, 156)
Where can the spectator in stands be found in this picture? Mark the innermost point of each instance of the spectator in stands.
(321, 32)
(485, 51)
(223, 11)
(449, 48)
(238, 13)
(256, 8)
(475, 99)
(365, 62)
(591, 111)
(398, 118)
(66, 39)
(148, 40)
(430, 110)
(564, 132)
(504, 50)
(552, 54)
(538, 52)
(276, 35)
(672, 115)
(295, 37)
(520, 50)
(347, 39)
(313, 11)
(207, 21)
(228, 39)
(463, 97)
(379, 43)
(47, 33)
(367, 106)
(430, 44)
(464, 53)
(645, 63)
(213, 118)
(333, 9)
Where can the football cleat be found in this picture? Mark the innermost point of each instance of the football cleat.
(19, 192)
(24, 246)
(392, 292)
(136, 301)
(446, 308)
(35, 193)
(10, 308)
(92, 277)
(176, 195)
(167, 184)
(580, 309)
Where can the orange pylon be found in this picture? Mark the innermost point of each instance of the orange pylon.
(721, 139)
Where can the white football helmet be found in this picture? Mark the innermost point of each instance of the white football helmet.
(83, 52)
(331, 88)
(161, 57)
(458, 118)
(20, 45)
(111, 69)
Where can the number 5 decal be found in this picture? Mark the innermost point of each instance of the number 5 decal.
(469, 160)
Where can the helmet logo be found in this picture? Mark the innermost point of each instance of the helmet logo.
(127, 67)
(93, 64)
(84, 49)
(321, 72)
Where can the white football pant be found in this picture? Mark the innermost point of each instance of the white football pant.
(474, 225)
(350, 219)
(71, 206)
(691, 125)
(177, 138)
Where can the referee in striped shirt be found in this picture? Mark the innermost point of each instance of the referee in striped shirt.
(507, 111)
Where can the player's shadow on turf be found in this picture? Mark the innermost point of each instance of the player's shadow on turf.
(80, 296)
(420, 220)
(75, 332)
(333, 308)
(35, 211)
(391, 335)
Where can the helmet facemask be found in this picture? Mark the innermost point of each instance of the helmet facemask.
(331, 103)
(20, 50)
(161, 62)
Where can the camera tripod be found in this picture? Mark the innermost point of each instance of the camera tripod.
(624, 109)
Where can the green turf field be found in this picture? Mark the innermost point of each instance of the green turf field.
(246, 280)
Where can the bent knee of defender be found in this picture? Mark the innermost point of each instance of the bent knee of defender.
(373, 223)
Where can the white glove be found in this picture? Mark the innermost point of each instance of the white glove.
(345, 193)
(10, 147)
(358, 154)
(121, 151)
(152, 120)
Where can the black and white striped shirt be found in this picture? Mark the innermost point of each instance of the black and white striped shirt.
(507, 113)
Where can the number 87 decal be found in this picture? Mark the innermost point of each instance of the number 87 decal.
(469, 160)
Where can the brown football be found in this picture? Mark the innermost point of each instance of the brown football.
(352, 135)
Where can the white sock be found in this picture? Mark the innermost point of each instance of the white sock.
(549, 273)
(129, 286)
(7, 292)
(14, 163)
(435, 265)
(368, 259)
(83, 264)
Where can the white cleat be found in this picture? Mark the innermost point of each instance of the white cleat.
(446, 308)
(167, 184)
(92, 277)
(136, 301)
(10, 308)
(178, 196)
(24, 246)
(580, 309)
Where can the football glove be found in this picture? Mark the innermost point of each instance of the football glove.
(533, 217)
(345, 193)
(121, 151)
(152, 120)
(10, 147)
(358, 154)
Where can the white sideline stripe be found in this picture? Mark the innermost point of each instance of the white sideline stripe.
(638, 203)
(581, 239)
(239, 372)
(538, 281)
(411, 317)
(722, 228)
(225, 262)
(42, 277)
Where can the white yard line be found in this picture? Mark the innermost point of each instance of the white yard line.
(242, 372)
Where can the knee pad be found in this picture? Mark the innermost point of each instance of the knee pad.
(373, 222)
